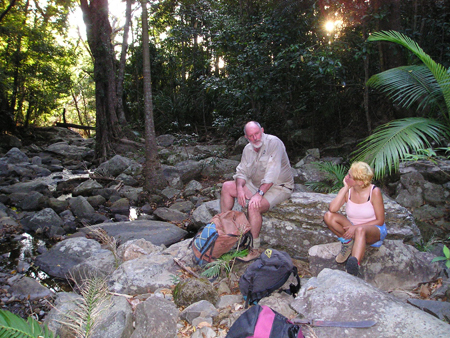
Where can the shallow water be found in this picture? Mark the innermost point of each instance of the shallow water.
(17, 255)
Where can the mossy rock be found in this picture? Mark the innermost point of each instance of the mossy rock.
(193, 290)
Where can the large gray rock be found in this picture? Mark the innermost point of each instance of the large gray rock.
(33, 201)
(14, 155)
(57, 261)
(297, 224)
(101, 265)
(193, 290)
(391, 266)
(86, 188)
(155, 232)
(337, 296)
(189, 170)
(114, 166)
(26, 288)
(144, 274)
(44, 219)
(68, 150)
(217, 167)
(156, 318)
(25, 187)
(115, 317)
(81, 207)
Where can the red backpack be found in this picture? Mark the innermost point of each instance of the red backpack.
(220, 236)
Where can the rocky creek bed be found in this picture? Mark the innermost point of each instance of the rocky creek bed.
(43, 210)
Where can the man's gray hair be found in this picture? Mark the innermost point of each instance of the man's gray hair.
(257, 123)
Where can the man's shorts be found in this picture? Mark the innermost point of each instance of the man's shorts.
(275, 195)
(383, 234)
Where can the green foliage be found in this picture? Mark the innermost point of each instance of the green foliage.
(425, 86)
(391, 142)
(335, 174)
(214, 268)
(445, 258)
(34, 61)
(13, 326)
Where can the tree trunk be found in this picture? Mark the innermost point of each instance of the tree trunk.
(120, 76)
(98, 32)
(151, 155)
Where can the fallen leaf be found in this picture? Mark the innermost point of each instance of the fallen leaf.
(203, 324)
(424, 291)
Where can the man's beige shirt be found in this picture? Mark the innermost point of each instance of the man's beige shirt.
(269, 165)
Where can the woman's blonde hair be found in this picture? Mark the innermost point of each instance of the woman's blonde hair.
(361, 171)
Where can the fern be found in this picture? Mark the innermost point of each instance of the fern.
(12, 326)
(334, 174)
(214, 268)
(94, 300)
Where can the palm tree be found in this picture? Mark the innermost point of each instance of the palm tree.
(427, 86)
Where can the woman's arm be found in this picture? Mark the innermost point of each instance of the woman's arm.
(340, 199)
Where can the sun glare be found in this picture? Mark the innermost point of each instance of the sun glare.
(329, 26)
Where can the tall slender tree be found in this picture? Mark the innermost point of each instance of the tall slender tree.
(151, 154)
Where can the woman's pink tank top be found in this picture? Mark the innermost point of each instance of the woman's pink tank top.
(360, 213)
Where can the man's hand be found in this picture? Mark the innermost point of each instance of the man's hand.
(255, 201)
(241, 197)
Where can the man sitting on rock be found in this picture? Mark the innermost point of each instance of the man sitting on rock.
(262, 180)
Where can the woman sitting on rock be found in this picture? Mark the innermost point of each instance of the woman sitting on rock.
(364, 223)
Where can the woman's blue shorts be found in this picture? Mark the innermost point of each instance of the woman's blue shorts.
(383, 233)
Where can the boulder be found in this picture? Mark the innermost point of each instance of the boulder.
(67, 150)
(218, 167)
(57, 261)
(136, 248)
(86, 188)
(113, 167)
(165, 140)
(14, 155)
(44, 220)
(26, 288)
(81, 207)
(156, 318)
(143, 274)
(189, 170)
(297, 224)
(193, 290)
(170, 215)
(115, 317)
(337, 296)
(156, 232)
(394, 265)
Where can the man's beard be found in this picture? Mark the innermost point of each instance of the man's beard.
(257, 145)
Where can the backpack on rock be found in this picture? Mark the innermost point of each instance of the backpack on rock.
(220, 236)
(263, 322)
(266, 274)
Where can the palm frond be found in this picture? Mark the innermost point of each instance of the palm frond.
(13, 326)
(439, 72)
(389, 143)
(408, 85)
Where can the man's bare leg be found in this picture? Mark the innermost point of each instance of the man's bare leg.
(227, 196)
(255, 217)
